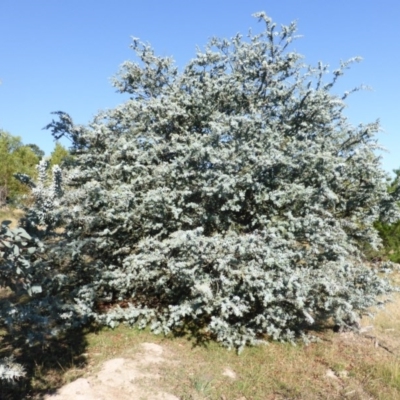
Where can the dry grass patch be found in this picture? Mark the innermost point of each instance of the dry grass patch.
(11, 214)
(340, 366)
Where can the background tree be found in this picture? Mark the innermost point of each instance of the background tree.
(15, 157)
(37, 150)
(389, 233)
(59, 155)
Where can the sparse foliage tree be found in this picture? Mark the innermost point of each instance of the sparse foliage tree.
(43, 216)
(30, 267)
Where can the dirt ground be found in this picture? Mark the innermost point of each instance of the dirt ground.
(126, 379)
(121, 378)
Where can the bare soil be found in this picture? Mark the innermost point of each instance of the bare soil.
(120, 379)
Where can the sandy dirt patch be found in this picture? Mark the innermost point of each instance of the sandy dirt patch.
(122, 379)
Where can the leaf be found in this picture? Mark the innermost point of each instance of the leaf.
(6, 243)
(25, 263)
(6, 222)
(36, 289)
(23, 233)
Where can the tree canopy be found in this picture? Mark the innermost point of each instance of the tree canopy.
(232, 199)
(234, 195)
(16, 157)
(59, 155)
(37, 150)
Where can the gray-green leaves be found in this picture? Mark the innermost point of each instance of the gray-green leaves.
(233, 197)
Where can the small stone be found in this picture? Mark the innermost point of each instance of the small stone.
(229, 373)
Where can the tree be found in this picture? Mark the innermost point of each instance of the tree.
(234, 196)
(15, 157)
(59, 155)
(37, 150)
(389, 233)
(29, 269)
(231, 199)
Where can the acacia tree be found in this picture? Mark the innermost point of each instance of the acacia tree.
(231, 198)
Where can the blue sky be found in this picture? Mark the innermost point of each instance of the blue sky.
(60, 54)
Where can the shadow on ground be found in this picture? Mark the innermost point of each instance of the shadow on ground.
(47, 367)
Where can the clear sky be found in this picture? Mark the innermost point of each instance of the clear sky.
(59, 54)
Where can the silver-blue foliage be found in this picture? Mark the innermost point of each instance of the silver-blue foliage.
(233, 197)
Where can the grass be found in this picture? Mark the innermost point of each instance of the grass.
(11, 214)
(340, 366)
